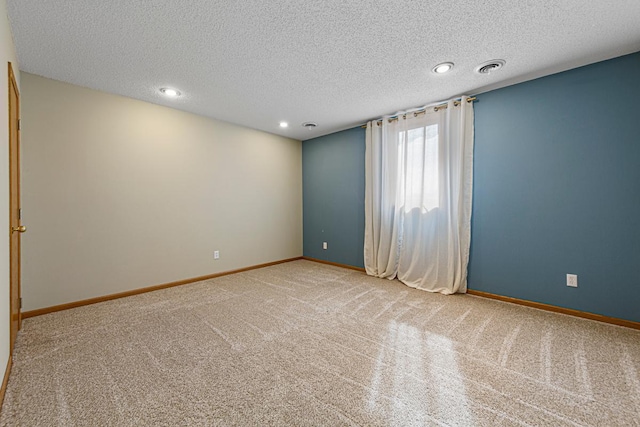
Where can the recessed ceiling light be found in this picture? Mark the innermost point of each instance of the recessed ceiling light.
(284, 124)
(443, 68)
(171, 93)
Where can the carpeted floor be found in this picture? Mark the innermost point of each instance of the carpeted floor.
(308, 344)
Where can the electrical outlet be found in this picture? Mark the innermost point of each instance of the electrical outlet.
(216, 254)
(572, 280)
(324, 245)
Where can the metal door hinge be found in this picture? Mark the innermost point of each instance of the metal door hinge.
(19, 124)
(20, 213)
(20, 302)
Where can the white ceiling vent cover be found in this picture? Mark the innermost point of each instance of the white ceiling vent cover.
(309, 125)
(490, 66)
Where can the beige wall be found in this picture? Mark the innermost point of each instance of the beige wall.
(120, 194)
(7, 54)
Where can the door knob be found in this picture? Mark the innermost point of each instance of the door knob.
(20, 229)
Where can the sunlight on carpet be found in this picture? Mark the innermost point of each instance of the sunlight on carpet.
(308, 344)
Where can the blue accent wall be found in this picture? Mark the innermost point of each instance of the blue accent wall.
(333, 197)
(557, 189)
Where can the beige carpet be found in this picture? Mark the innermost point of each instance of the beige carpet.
(307, 344)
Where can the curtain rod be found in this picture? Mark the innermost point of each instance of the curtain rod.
(423, 110)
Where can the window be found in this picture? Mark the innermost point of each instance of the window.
(418, 166)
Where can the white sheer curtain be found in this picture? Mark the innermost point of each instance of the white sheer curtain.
(419, 177)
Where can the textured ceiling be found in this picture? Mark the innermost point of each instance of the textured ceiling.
(337, 63)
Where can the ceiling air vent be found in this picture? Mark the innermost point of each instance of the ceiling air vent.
(490, 66)
(310, 125)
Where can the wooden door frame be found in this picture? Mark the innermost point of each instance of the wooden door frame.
(12, 84)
